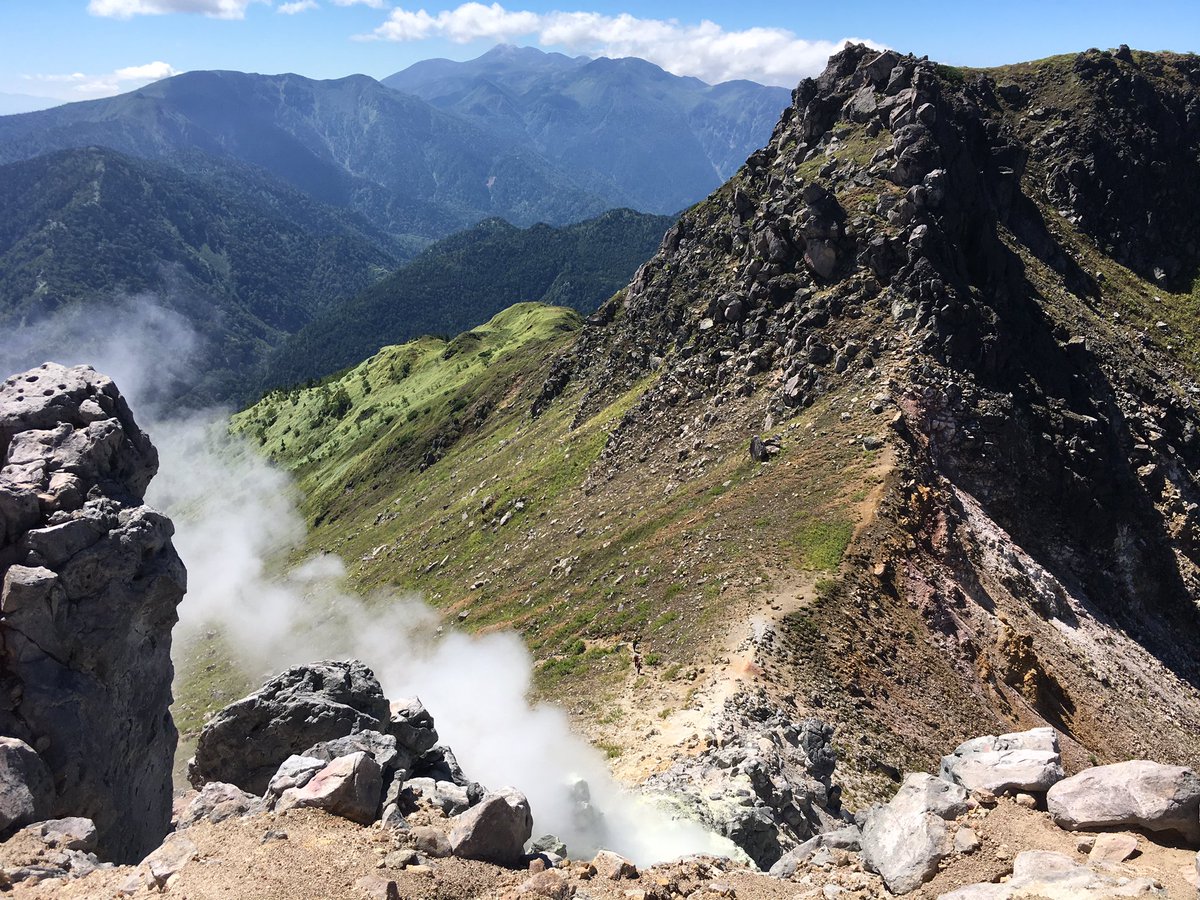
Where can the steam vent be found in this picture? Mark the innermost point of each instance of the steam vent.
(91, 583)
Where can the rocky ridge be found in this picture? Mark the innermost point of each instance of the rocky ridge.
(91, 582)
(935, 256)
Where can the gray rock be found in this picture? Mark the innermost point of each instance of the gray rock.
(904, 840)
(431, 841)
(90, 584)
(412, 726)
(1111, 849)
(848, 838)
(441, 764)
(1042, 873)
(26, 791)
(966, 840)
(381, 747)
(1136, 793)
(245, 742)
(169, 859)
(293, 772)
(549, 843)
(349, 787)
(1025, 761)
(71, 833)
(821, 257)
(878, 70)
(613, 866)
(450, 798)
(764, 782)
(218, 801)
(495, 830)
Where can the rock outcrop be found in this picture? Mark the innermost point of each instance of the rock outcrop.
(323, 736)
(764, 781)
(1137, 793)
(928, 263)
(1027, 761)
(905, 839)
(91, 582)
(245, 742)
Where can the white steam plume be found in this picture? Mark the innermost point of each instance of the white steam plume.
(236, 519)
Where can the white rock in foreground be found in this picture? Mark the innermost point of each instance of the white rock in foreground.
(905, 839)
(1023, 761)
(1137, 793)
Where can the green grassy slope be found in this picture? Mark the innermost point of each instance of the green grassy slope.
(424, 470)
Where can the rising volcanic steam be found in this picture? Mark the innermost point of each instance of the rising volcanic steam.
(237, 524)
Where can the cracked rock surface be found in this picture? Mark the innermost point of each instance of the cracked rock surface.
(91, 582)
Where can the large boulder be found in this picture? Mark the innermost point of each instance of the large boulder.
(90, 585)
(905, 839)
(245, 743)
(350, 787)
(1026, 761)
(1044, 873)
(495, 830)
(1138, 793)
(26, 791)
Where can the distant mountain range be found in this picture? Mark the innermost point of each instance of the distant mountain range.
(464, 280)
(12, 104)
(262, 206)
(241, 257)
(623, 128)
(517, 134)
(411, 169)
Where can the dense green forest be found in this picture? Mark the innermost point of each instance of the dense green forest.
(466, 279)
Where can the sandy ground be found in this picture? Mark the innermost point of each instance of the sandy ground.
(326, 857)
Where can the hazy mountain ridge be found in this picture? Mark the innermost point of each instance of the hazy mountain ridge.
(466, 279)
(541, 138)
(409, 168)
(623, 125)
(242, 258)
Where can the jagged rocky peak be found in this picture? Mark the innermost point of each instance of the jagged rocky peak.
(91, 583)
(984, 255)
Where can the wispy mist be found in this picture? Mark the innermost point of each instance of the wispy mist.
(237, 523)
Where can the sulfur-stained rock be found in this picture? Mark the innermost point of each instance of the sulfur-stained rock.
(349, 787)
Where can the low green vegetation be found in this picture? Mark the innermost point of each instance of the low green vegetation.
(823, 543)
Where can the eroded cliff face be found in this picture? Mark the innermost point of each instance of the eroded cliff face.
(982, 258)
(91, 583)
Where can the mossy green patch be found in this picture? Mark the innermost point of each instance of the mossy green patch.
(823, 542)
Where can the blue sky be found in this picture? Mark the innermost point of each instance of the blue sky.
(77, 49)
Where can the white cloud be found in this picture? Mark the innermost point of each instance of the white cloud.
(124, 9)
(81, 86)
(374, 4)
(299, 6)
(705, 50)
